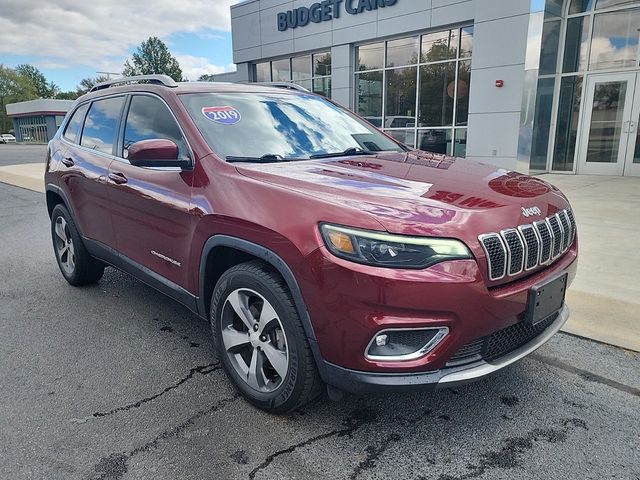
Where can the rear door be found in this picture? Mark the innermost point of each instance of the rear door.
(90, 139)
(150, 206)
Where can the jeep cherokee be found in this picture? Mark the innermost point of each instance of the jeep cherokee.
(321, 251)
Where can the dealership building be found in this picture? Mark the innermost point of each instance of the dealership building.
(37, 121)
(529, 85)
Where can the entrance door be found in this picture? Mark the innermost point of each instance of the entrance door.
(609, 136)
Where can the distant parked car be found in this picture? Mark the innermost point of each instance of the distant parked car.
(7, 138)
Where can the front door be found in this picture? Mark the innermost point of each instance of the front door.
(610, 139)
(150, 207)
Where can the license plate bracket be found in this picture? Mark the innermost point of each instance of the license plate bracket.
(546, 299)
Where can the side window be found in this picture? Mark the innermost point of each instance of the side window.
(74, 127)
(100, 127)
(150, 118)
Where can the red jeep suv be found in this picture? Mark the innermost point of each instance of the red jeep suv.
(321, 251)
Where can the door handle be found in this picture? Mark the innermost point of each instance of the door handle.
(118, 178)
(632, 126)
(68, 162)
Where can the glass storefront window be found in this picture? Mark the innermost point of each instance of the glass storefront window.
(612, 3)
(403, 52)
(567, 129)
(312, 72)
(369, 96)
(322, 64)
(437, 89)
(576, 43)
(580, 6)
(550, 42)
(436, 141)
(322, 86)
(401, 97)
(466, 42)
(387, 92)
(460, 147)
(440, 46)
(615, 40)
(301, 68)
(371, 57)
(542, 124)
(263, 72)
(462, 92)
(281, 70)
(407, 137)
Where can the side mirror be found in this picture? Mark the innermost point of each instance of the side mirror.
(156, 152)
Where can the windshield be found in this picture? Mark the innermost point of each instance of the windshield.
(280, 126)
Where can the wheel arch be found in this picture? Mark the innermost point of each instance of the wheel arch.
(244, 250)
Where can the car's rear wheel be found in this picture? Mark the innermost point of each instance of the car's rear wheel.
(260, 339)
(75, 262)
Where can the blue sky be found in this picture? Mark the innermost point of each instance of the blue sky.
(69, 40)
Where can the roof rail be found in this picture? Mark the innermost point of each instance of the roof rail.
(155, 79)
(285, 85)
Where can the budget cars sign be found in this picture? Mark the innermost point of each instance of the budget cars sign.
(327, 10)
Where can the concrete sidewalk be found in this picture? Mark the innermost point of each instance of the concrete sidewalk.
(605, 297)
(29, 176)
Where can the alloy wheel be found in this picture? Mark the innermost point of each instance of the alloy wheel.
(64, 246)
(254, 340)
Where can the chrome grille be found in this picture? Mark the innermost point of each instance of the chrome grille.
(532, 246)
(529, 246)
(496, 254)
(546, 240)
(515, 250)
(556, 231)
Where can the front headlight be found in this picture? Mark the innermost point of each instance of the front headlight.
(393, 251)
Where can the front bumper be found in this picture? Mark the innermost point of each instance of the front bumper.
(358, 382)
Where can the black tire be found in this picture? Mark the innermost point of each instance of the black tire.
(301, 384)
(84, 269)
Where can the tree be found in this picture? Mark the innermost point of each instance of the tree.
(88, 83)
(207, 77)
(43, 88)
(67, 95)
(153, 57)
(13, 88)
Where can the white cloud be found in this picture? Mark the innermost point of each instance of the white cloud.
(192, 67)
(101, 34)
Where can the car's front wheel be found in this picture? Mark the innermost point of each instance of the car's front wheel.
(260, 339)
(75, 262)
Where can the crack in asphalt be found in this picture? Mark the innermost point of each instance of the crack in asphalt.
(373, 454)
(115, 466)
(356, 420)
(586, 375)
(202, 369)
(514, 448)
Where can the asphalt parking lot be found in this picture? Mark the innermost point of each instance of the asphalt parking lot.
(116, 381)
(13, 154)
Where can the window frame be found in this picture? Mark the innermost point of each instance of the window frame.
(66, 123)
(117, 129)
(123, 123)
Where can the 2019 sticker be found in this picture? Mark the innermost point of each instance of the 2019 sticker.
(222, 115)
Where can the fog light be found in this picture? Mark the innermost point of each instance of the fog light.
(403, 344)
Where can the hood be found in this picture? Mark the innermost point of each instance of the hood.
(419, 193)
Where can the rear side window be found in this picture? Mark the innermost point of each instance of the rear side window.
(74, 127)
(101, 125)
(149, 118)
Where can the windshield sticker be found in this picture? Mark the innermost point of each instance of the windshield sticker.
(222, 115)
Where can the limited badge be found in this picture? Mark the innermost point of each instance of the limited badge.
(222, 115)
